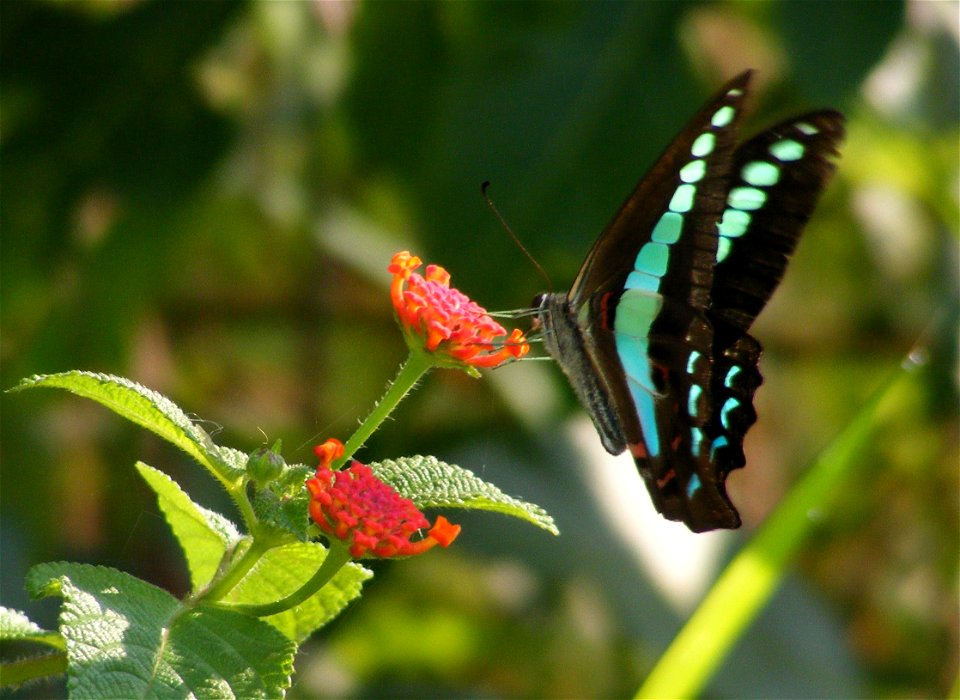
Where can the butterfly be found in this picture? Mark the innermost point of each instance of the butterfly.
(653, 334)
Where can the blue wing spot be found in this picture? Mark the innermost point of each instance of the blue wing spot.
(746, 198)
(633, 356)
(696, 439)
(693, 485)
(692, 399)
(723, 248)
(635, 313)
(760, 173)
(722, 116)
(692, 361)
(634, 316)
(787, 150)
(653, 259)
(808, 129)
(703, 145)
(693, 171)
(716, 445)
(730, 404)
(642, 281)
(734, 223)
(682, 200)
(731, 376)
(669, 227)
(646, 411)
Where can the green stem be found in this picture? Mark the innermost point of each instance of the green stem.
(237, 571)
(239, 495)
(16, 673)
(337, 557)
(410, 372)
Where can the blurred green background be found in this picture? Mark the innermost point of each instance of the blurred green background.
(204, 197)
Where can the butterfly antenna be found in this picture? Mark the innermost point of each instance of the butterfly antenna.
(506, 227)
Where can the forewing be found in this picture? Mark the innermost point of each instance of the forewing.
(776, 181)
(676, 206)
(655, 302)
(658, 253)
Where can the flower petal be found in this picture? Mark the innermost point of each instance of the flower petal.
(445, 322)
(369, 516)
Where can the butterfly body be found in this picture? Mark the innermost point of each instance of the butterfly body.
(653, 334)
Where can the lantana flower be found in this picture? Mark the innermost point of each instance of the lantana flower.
(445, 322)
(355, 507)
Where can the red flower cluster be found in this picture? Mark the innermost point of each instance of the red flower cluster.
(355, 507)
(445, 321)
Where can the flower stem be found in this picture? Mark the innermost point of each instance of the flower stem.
(236, 572)
(337, 557)
(410, 372)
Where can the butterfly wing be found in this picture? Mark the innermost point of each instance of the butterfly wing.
(662, 244)
(641, 300)
(774, 184)
(653, 333)
(776, 181)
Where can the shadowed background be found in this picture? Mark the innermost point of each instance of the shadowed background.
(204, 197)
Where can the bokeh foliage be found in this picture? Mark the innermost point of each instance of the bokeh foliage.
(204, 197)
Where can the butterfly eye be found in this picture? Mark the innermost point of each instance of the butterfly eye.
(538, 304)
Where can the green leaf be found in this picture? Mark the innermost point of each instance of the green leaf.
(430, 483)
(127, 638)
(148, 409)
(282, 570)
(235, 459)
(16, 626)
(204, 535)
